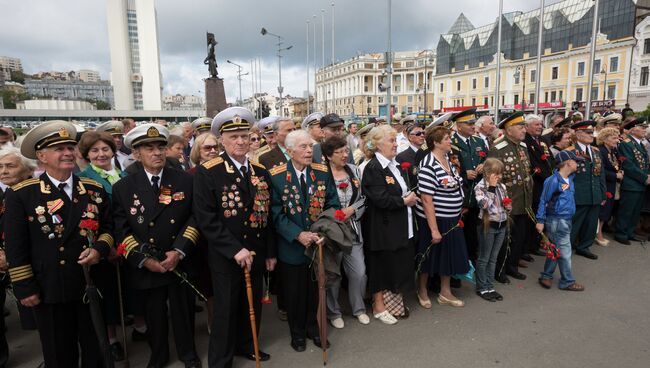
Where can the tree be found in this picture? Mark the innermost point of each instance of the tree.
(17, 76)
(9, 98)
(645, 113)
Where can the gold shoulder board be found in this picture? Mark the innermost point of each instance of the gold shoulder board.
(319, 167)
(90, 181)
(25, 183)
(212, 163)
(278, 169)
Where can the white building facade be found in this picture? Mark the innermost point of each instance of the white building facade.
(639, 96)
(135, 57)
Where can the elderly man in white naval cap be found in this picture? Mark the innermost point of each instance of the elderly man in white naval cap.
(231, 206)
(116, 130)
(153, 217)
(311, 124)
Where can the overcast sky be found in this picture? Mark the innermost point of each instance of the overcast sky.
(67, 35)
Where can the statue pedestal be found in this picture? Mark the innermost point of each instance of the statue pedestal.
(215, 97)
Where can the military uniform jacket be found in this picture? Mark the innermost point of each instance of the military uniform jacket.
(43, 237)
(233, 212)
(635, 165)
(292, 213)
(159, 222)
(516, 175)
(589, 178)
(272, 158)
(542, 164)
(470, 155)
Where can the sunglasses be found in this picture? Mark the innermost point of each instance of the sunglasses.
(210, 148)
(418, 134)
(254, 139)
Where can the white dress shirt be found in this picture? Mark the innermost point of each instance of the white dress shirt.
(68, 187)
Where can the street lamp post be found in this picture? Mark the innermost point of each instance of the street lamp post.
(427, 58)
(520, 72)
(280, 49)
(239, 75)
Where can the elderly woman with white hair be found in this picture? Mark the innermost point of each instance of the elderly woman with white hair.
(14, 168)
(388, 224)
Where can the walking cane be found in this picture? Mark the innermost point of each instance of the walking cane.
(119, 295)
(251, 312)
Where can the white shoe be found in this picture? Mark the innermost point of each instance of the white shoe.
(386, 318)
(363, 319)
(337, 323)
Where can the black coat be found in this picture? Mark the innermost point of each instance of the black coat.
(143, 219)
(43, 245)
(385, 222)
(608, 166)
(233, 213)
(272, 158)
(542, 164)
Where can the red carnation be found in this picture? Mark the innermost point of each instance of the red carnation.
(343, 185)
(537, 170)
(543, 157)
(609, 195)
(507, 201)
(121, 249)
(622, 158)
(88, 224)
(461, 224)
(339, 215)
(405, 165)
(482, 154)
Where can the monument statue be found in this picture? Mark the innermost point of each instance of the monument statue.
(211, 60)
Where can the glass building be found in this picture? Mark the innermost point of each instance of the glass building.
(567, 25)
(70, 89)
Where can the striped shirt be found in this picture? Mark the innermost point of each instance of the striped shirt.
(445, 189)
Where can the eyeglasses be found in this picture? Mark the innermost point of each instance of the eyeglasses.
(254, 139)
(418, 134)
(210, 148)
(342, 151)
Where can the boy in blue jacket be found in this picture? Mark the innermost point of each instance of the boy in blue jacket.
(556, 209)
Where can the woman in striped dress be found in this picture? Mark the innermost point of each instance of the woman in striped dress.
(442, 247)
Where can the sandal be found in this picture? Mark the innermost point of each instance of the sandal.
(574, 287)
(425, 303)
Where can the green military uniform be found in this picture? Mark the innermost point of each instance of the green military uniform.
(636, 169)
(589, 181)
(519, 185)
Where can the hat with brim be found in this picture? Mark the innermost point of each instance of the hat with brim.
(584, 125)
(641, 121)
(232, 119)
(311, 120)
(466, 116)
(113, 127)
(564, 123)
(515, 119)
(331, 120)
(568, 155)
(48, 134)
(442, 119)
(612, 119)
(365, 130)
(146, 133)
(202, 125)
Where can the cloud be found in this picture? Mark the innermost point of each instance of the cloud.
(73, 34)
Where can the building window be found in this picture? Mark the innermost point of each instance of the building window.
(516, 99)
(474, 83)
(594, 93)
(394, 99)
(503, 100)
(611, 91)
(646, 46)
(473, 101)
(369, 100)
(545, 96)
(485, 101)
(581, 68)
(645, 71)
(516, 78)
(560, 98)
(533, 76)
(457, 85)
(409, 99)
(441, 105)
(553, 96)
(579, 92)
(554, 72)
(531, 98)
(442, 87)
(492, 101)
(487, 82)
(596, 66)
(613, 64)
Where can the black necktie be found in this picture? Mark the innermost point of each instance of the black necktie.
(61, 187)
(154, 184)
(244, 172)
(303, 186)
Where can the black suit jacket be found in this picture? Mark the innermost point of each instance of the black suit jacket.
(385, 222)
(273, 158)
(44, 240)
(409, 155)
(154, 223)
(169, 162)
(234, 212)
(542, 164)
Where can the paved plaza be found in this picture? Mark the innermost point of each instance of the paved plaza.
(608, 325)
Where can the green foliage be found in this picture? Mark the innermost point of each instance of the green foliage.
(645, 113)
(9, 98)
(17, 76)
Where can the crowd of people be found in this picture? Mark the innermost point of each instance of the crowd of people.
(158, 219)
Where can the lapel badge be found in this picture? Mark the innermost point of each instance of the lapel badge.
(40, 210)
(226, 213)
(390, 180)
(57, 219)
(41, 219)
(50, 236)
(140, 219)
(133, 211)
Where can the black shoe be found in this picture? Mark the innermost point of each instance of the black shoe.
(486, 295)
(638, 238)
(502, 279)
(298, 345)
(586, 254)
(198, 308)
(496, 295)
(117, 351)
(538, 252)
(622, 241)
(317, 342)
(517, 275)
(193, 364)
(455, 283)
(138, 336)
(527, 258)
(251, 356)
(282, 315)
